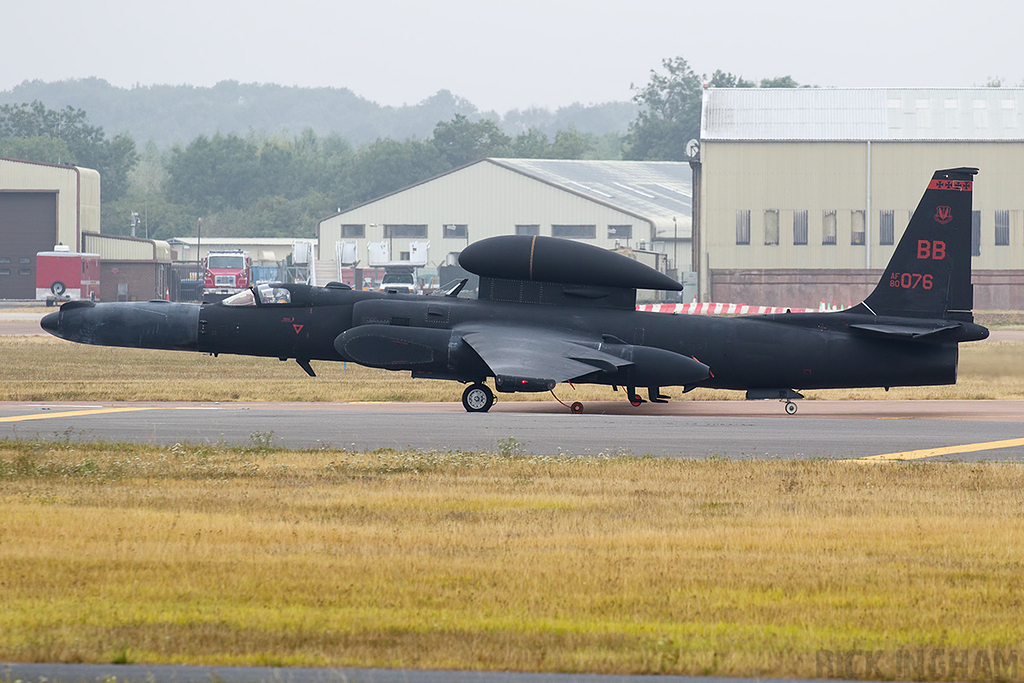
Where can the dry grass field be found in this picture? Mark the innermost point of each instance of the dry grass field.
(49, 369)
(498, 561)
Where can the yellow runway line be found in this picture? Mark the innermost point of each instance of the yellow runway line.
(949, 450)
(73, 413)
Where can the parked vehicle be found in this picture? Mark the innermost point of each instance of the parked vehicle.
(403, 282)
(227, 273)
(63, 275)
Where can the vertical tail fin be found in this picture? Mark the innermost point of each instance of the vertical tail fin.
(929, 274)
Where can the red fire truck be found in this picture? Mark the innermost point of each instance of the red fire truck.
(227, 273)
(63, 275)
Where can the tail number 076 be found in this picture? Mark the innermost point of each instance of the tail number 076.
(911, 281)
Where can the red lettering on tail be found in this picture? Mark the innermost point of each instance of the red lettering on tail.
(931, 250)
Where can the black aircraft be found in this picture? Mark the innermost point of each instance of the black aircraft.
(551, 311)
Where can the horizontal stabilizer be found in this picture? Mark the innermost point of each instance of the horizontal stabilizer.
(905, 331)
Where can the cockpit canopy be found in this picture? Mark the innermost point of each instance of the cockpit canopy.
(269, 295)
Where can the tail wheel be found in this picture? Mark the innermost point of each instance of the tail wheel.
(790, 408)
(477, 398)
(635, 400)
(576, 407)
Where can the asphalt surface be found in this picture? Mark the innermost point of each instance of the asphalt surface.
(697, 429)
(104, 673)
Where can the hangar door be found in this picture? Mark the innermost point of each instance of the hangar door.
(28, 225)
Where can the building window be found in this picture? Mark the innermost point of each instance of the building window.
(887, 227)
(976, 233)
(743, 226)
(5, 271)
(403, 230)
(620, 232)
(980, 114)
(952, 113)
(527, 229)
(1009, 113)
(584, 232)
(24, 271)
(800, 226)
(828, 227)
(1003, 228)
(857, 227)
(924, 113)
(5, 259)
(353, 230)
(25, 260)
(771, 226)
(455, 230)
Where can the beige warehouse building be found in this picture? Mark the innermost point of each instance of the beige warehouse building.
(625, 204)
(41, 205)
(803, 193)
(46, 204)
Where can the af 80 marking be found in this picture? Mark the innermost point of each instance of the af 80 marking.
(911, 281)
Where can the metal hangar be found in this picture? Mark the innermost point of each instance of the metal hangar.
(804, 192)
(637, 205)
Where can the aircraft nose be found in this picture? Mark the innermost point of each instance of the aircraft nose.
(51, 323)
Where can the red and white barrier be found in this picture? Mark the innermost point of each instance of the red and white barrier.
(708, 308)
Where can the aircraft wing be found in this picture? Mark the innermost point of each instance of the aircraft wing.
(905, 331)
(538, 355)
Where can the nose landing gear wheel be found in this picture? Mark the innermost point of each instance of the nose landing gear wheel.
(477, 398)
(790, 408)
(576, 407)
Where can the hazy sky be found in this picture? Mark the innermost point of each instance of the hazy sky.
(509, 55)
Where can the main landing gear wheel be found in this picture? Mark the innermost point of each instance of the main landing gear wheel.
(635, 400)
(576, 407)
(790, 408)
(477, 398)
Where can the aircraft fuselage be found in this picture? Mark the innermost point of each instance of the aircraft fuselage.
(796, 350)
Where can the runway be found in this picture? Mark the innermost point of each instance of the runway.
(920, 430)
(961, 430)
(100, 673)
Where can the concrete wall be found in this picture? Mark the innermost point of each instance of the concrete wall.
(144, 281)
(807, 288)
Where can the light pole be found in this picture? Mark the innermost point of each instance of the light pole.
(675, 246)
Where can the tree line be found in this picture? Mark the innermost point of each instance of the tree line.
(169, 114)
(282, 185)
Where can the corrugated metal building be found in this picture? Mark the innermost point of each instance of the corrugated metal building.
(803, 193)
(131, 268)
(41, 205)
(46, 204)
(643, 205)
(260, 249)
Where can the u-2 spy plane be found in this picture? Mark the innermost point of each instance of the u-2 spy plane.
(551, 311)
